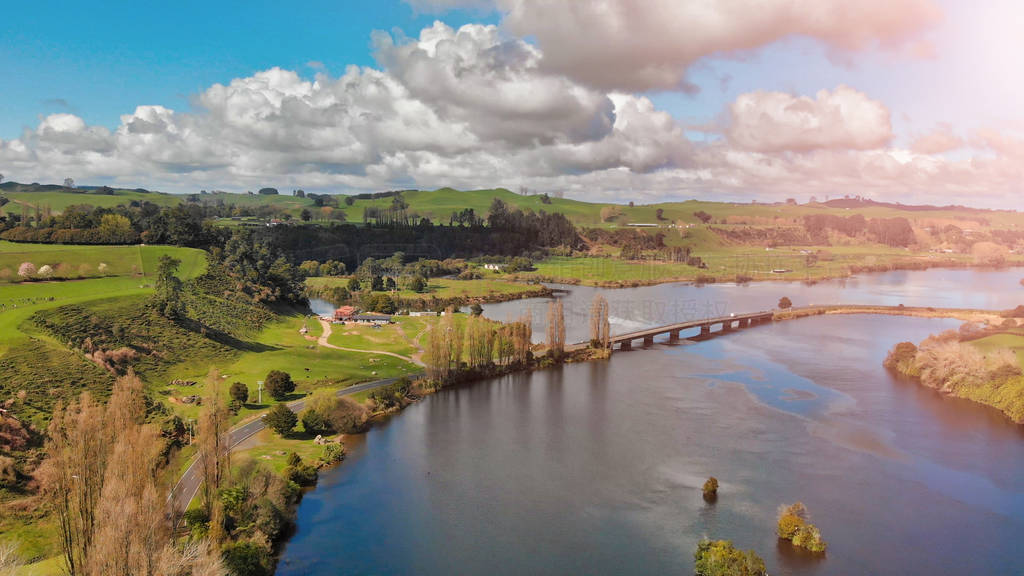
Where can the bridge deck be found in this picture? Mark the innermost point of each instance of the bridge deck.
(648, 332)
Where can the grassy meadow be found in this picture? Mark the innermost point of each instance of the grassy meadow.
(86, 261)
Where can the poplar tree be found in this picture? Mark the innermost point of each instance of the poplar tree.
(600, 328)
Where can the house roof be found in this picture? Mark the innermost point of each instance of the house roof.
(345, 311)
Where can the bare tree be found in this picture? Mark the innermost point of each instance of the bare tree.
(600, 328)
(556, 328)
(10, 561)
(78, 452)
(69, 182)
(214, 454)
(522, 338)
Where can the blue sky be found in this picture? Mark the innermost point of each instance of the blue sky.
(99, 60)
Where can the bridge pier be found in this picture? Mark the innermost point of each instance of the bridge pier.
(705, 330)
(727, 326)
(626, 345)
(745, 323)
(648, 340)
(673, 336)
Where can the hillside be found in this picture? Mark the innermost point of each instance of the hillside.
(438, 205)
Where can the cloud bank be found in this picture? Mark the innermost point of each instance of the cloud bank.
(474, 107)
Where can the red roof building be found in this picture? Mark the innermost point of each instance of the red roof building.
(344, 313)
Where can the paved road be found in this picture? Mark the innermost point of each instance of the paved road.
(188, 485)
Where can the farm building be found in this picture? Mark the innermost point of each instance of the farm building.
(422, 313)
(344, 313)
(371, 319)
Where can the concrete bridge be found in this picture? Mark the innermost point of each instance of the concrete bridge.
(706, 326)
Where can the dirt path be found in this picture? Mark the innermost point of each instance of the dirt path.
(322, 341)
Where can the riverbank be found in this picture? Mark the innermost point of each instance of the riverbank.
(965, 314)
(983, 365)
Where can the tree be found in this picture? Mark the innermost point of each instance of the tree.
(556, 328)
(117, 229)
(353, 284)
(239, 392)
(794, 524)
(313, 422)
(69, 182)
(721, 558)
(167, 293)
(279, 384)
(609, 213)
(600, 327)
(703, 216)
(100, 478)
(268, 191)
(418, 284)
(660, 214)
(785, 303)
(26, 270)
(281, 419)
(306, 215)
(214, 455)
(377, 284)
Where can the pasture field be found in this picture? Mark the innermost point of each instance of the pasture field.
(59, 200)
(280, 346)
(730, 263)
(87, 261)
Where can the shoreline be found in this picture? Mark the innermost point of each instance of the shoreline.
(578, 353)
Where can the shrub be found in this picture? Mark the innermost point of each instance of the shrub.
(240, 392)
(279, 384)
(280, 419)
(901, 357)
(8, 473)
(27, 270)
(785, 303)
(347, 416)
(711, 487)
(794, 525)
(313, 422)
(197, 521)
(247, 558)
(721, 558)
(299, 472)
(808, 537)
(333, 453)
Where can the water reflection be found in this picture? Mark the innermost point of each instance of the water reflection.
(596, 468)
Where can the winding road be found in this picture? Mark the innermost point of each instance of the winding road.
(187, 487)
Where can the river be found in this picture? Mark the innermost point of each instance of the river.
(596, 468)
